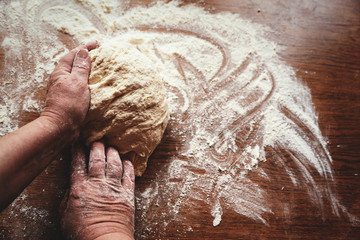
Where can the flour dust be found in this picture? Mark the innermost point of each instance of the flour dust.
(234, 103)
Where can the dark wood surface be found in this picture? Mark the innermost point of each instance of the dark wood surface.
(322, 40)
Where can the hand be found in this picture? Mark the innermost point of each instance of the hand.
(100, 203)
(68, 96)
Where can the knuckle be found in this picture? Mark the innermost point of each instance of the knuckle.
(53, 75)
(82, 66)
(98, 159)
(76, 192)
(115, 164)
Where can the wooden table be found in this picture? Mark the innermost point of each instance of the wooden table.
(322, 40)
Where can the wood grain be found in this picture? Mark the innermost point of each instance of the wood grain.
(322, 40)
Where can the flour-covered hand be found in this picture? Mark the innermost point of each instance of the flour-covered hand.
(68, 95)
(100, 201)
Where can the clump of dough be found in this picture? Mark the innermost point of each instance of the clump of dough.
(128, 101)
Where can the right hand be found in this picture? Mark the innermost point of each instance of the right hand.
(100, 201)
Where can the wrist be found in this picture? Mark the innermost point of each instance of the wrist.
(60, 127)
(106, 231)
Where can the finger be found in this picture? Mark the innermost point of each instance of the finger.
(128, 178)
(114, 165)
(97, 160)
(91, 45)
(66, 62)
(81, 65)
(78, 164)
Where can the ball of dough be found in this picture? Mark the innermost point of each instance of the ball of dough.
(128, 107)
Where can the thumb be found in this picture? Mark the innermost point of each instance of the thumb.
(81, 65)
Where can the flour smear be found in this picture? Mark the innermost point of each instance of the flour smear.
(234, 103)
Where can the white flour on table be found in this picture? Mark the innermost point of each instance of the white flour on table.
(233, 101)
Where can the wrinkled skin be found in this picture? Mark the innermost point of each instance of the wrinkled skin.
(68, 96)
(100, 201)
(27, 151)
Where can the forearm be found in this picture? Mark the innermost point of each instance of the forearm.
(21, 161)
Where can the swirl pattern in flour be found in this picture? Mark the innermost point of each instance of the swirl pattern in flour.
(235, 104)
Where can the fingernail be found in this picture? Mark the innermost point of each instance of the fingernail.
(82, 53)
(94, 42)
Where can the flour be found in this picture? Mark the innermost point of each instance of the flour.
(231, 98)
(26, 61)
(216, 212)
(73, 23)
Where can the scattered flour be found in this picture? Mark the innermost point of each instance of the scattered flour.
(231, 99)
(216, 212)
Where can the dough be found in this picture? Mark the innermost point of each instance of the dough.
(128, 107)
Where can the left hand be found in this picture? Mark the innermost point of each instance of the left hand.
(68, 96)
